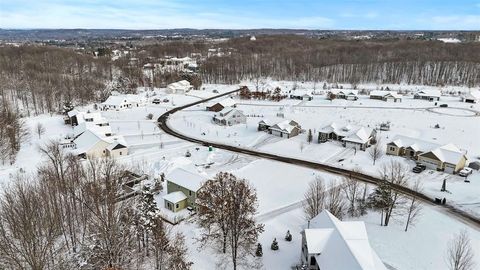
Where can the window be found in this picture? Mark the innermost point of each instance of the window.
(313, 261)
(190, 193)
(392, 148)
(176, 206)
(120, 153)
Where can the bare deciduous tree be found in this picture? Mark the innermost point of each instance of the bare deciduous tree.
(385, 197)
(39, 129)
(314, 198)
(335, 202)
(376, 151)
(352, 190)
(235, 204)
(460, 255)
(414, 206)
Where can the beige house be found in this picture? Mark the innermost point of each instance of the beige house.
(392, 96)
(92, 144)
(447, 158)
(409, 147)
(181, 181)
(285, 129)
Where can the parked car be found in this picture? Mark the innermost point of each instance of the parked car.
(465, 172)
(166, 100)
(215, 91)
(419, 168)
(444, 105)
(156, 101)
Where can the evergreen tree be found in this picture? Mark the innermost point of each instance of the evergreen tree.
(288, 236)
(310, 136)
(259, 252)
(274, 245)
(148, 212)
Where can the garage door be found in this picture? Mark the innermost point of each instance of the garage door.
(352, 145)
(449, 169)
(429, 165)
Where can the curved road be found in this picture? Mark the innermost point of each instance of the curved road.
(163, 124)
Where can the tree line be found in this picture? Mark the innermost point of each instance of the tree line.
(300, 58)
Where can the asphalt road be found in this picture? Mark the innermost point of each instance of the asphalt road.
(460, 215)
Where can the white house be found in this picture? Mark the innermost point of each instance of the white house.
(386, 96)
(331, 244)
(229, 116)
(472, 96)
(116, 103)
(430, 95)
(180, 87)
(347, 94)
(448, 158)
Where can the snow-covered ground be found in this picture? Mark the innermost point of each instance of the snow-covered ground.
(280, 187)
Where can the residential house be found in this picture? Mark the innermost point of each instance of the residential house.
(285, 129)
(409, 147)
(350, 136)
(447, 158)
(264, 124)
(181, 181)
(347, 94)
(92, 144)
(430, 95)
(180, 87)
(331, 244)
(227, 102)
(301, 95)
(386, 96)
(471, 97)
(229, 116)
(116, 103)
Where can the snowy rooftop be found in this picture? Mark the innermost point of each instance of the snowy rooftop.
(175, 197)
(448, 153)
(346, 92)
(285, 125)
(115, 100)
(384, 93)
(474, 94)
(330, 239)
(183, 84)
(228, 102)
(349, 132)
(189, 180)
(429, 93)
(414, 143)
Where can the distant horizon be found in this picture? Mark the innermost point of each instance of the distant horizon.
(353, 15)
(244, 29)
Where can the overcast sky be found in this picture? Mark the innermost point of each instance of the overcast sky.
(242, 14)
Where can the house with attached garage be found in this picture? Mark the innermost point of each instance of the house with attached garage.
(285, 128)
(229, 116)
(430, 95)
(303, 95)
(331, 244)
(116, 103)
(409, 147)
(91, 144)
(182, 188)
(351, 136)
(180, 87)
(471, 97)
(228, 102)
(392, 96)
(447, 158)
(343, 94)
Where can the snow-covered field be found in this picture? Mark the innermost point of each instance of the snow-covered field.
(281, 187)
